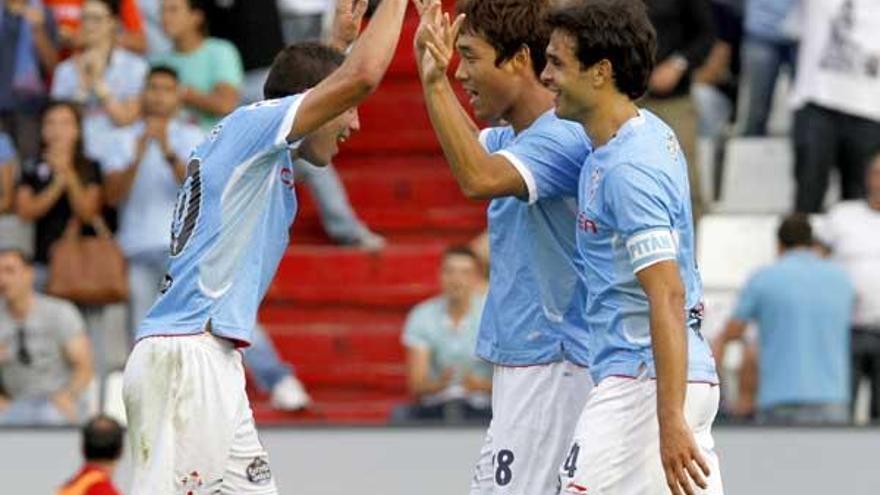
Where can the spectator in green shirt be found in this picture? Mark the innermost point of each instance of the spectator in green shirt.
(210, 69)
(449, 382)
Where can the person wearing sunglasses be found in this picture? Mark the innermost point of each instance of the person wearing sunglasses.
(45, 355)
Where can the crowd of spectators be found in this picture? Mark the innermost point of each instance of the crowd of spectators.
(101, 101)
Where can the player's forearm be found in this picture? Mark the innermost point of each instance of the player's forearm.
(670, 346)
(373, 51)
(460, 143)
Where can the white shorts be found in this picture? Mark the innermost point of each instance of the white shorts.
(190, 426)
(534, 413)
(616, 447)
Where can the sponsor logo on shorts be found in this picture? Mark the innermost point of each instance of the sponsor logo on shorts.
(191, 483)
(258, 471)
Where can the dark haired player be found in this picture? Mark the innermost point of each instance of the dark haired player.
(532, 328)
(190, 425)
(646, 428)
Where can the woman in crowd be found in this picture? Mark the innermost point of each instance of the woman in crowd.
(106, 79)
(61, 184)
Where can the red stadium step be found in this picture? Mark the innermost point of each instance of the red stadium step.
(455, 220)
(275, 315)
(394, 120)
(353, 343)
(398, 183)
(334, 405)
(385, 377)
(399, 276)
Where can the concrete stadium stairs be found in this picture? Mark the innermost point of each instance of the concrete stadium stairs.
(336, 313)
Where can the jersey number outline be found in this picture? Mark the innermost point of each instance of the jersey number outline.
(503, 472)
(188, 208)
(570, 465)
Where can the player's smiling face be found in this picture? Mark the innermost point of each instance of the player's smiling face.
(566, 78)
(490, 87)
(319, 147)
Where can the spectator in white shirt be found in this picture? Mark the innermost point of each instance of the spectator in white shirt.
(144, 168)
(837, 96)
(852, 232)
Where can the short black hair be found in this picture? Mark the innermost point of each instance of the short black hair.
(619, 31)
(197, 5)
(795, 231)
(115, 6)
(17, 252)
(509, 25)
(163, 69)
(461, 250)
(299, 67)
(102, 439)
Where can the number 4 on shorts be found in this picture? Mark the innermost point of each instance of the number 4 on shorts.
(571, 461)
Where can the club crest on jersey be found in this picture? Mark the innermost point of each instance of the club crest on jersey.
(584, 223)
(258, 471)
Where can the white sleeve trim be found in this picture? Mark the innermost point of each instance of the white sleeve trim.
(649, 247)
(524, 171)
(484, 136)
(287, 124)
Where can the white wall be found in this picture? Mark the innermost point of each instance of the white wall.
(439, 461)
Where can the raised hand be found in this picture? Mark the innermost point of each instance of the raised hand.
(440, 36)
(347, 20)
(429, 12)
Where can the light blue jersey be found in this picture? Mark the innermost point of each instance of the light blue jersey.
(230, 227)
(533, 311)
(635, 211)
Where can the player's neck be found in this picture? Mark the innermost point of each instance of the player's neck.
(606, 119)
(189, 42)
(874, 202)
(531, 105)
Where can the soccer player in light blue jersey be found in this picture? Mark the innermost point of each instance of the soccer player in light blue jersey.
(190, 425)
(532, 329)
(646, 428)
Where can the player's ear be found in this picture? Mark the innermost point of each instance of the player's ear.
(522, 59)
(602, 73)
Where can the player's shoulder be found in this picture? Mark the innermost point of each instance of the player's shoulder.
(651, 146)
(249, 117)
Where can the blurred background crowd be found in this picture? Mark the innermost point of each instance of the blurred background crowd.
(776, 103)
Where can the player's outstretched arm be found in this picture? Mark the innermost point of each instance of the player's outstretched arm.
(682, 461)
(480, 175)
(359, 75)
